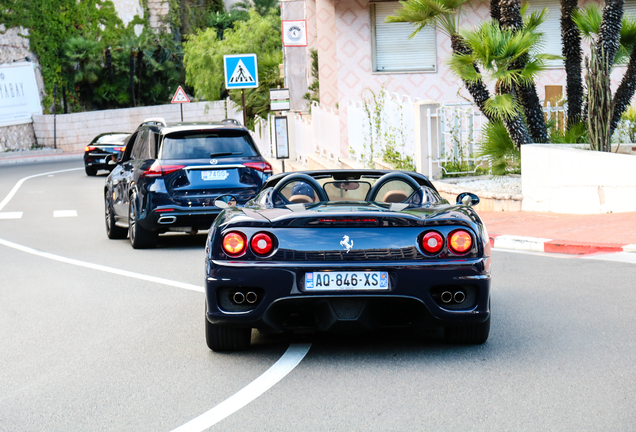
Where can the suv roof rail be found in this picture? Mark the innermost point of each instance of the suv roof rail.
(155, 120)
(229, 120)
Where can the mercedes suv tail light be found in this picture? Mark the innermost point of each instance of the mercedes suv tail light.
(262, 244)
(460, 242)
(260, 166)
(158, 170)
(234, 243)
(432, 242)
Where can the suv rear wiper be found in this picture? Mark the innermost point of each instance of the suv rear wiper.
(213, 155)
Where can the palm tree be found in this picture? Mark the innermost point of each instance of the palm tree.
(627, 87)
(498, 51)
(572, 55)
(589, 20)
(443, 15)
(511, 12)
(610, 28)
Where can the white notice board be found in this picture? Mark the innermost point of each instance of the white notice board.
(19, 95)
(282, 139)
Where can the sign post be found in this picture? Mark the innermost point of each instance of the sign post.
(180, 98)
(241, 72)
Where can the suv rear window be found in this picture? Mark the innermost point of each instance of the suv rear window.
(207, 144)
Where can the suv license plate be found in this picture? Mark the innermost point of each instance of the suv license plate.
(353, 280)
(214, 175)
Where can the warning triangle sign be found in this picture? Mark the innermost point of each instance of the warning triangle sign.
(180, 96)
(241, 74)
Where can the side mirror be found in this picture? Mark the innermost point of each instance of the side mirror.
(225, 201)
(468, 199)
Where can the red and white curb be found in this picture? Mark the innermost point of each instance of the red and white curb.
(535, 244)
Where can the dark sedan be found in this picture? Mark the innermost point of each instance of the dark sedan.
(102, 153)
(347, 251)
(170, 175)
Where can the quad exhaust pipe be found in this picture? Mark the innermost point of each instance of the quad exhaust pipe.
(459, 297)
(250, 297)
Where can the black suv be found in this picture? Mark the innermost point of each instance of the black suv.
(169, 176)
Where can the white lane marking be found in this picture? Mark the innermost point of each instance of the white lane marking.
(64, 213)
(292, 357)
(10, 215)
(6, 200)
(99, 267)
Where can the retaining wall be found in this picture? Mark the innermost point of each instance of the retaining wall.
(75, 131)
(569, 180)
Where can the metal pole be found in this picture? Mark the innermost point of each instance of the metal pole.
(181, 105)
(282, 161)
(244, 113)
(54, 113)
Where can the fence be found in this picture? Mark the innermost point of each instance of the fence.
(459, 136)
(262, 137)
(326, 131)
(386, 121)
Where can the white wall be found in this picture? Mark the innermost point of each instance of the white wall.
(75, 131)
(568, 180)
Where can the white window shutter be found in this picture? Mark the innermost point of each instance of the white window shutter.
(394, 51)
(551, 28)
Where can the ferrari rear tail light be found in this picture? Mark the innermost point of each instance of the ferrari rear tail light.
(121, 149)
(262, 244)
(158, 170)
(432, 242)
(89, 148)
(460, 242)
(234, 243)
(260, 166)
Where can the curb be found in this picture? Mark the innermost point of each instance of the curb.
(535, 244)
(41, 158)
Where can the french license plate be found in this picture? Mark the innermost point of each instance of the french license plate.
(102, 161)
(214, 175)
(353, 280)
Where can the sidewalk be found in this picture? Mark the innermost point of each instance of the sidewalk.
(41, 155)
(561, 233)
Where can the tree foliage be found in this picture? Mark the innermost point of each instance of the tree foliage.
(204, 53)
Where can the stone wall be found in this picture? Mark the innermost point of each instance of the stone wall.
(75, 131)
(158, 11)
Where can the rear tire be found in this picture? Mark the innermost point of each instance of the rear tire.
(90, 171)
(140, 238)
(113, 231)
(223, 338)
(473, 334)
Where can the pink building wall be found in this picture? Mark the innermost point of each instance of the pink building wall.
(348, 62)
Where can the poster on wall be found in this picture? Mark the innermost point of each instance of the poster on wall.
(282, 139)
(295, 33)
(19, 95)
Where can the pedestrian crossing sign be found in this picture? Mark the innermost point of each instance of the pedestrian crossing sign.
(241, 71)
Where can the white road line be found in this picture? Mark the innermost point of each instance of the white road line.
(10, 215)
(99, 267)
(6, 200)
(64, 213)
(292, 357)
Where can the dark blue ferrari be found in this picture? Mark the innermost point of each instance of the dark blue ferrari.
(347, 251)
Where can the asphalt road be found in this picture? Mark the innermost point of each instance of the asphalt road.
(84, 350)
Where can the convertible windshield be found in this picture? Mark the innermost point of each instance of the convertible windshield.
(362, 190)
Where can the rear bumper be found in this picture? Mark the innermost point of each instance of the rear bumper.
(413, 300)
(199, 218)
